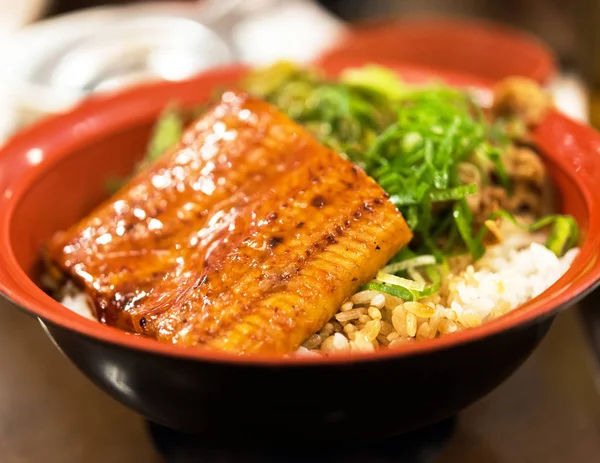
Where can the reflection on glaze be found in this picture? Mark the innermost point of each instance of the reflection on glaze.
(34, 156)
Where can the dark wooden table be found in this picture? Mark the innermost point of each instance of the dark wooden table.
(549, 411)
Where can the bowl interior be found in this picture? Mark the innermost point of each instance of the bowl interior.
(63, 164)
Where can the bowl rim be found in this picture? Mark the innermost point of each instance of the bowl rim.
(108, 113)
(541, 68)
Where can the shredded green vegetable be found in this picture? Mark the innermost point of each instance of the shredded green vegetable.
(167, 132)
(376, 78)
(412, 141)
(393, 290)
(409, 294)
(564, 231)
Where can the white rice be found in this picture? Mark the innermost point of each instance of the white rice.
(77, 301)
(510, 274)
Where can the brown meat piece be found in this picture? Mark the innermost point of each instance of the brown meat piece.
(531, 192)
(524, 166)
(246, 237)
(522, 98)
(490, 199)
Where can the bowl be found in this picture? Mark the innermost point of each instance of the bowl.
(54, 172)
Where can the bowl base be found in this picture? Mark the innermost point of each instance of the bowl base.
(420, 446)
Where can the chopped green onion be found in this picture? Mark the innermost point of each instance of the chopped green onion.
(376, 78)
(564, 231)
(392, 290)
(435, 276)
(463, 220)
(167, 132)
(453, 194)
(561, 235)
(399, 281)
(407, 289)
(419, 261)
(503, 178)
(416, 276)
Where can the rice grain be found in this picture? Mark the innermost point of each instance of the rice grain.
(378, 301)
(374, 313)
(418, 309)
(411, 324)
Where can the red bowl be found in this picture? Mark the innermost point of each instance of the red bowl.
(481, 48)
(53, 173)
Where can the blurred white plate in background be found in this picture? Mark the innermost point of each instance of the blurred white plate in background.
(51, 65)
(14, 14)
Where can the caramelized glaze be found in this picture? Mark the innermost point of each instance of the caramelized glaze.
(246, 237)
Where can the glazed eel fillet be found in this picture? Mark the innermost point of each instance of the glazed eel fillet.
(247, 237)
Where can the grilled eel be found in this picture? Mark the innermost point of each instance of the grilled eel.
(246, 237)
